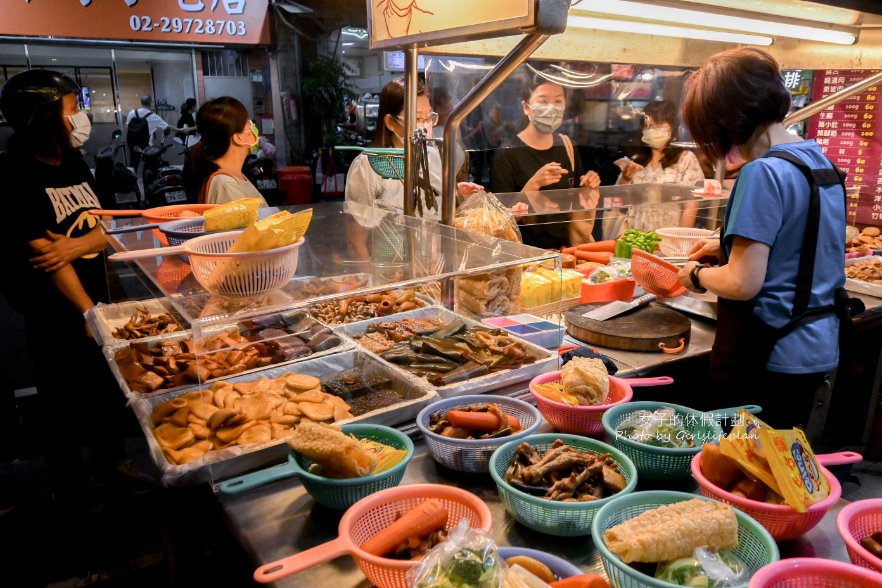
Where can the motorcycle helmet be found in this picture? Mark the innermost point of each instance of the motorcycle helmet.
(23, 93)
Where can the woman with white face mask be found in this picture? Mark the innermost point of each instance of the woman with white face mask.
(657, 162)
(54, 272)
(540, 158)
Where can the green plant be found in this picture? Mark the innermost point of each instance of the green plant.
(327, 88)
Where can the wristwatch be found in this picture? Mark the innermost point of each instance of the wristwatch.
(693, 275)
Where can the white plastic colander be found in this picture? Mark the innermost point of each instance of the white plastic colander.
(238, 275)
(677, 241)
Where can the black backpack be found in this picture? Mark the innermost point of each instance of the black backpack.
(138, 134)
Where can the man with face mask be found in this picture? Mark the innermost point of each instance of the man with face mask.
(540, 158)
(55, 271)
(656, 162)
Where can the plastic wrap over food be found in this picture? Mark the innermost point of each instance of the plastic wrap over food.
(467, 558)
(141, 320)
(339, 375)
(273, 340)
(476, 385)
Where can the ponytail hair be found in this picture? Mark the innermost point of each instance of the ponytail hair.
(217, 120)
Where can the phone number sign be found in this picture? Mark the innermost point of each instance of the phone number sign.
(191, 21)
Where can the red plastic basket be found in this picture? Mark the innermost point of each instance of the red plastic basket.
(779, 519)
(655, 275)
(586, 420)
(157, 215)
(369, 516)
(857, 521)
(813, 572)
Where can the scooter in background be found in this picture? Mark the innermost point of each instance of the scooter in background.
(116, 184)
(261, 171)
(163, 183)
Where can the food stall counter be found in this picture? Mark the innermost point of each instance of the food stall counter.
(280, 519)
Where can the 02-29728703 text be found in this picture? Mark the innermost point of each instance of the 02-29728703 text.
(196, 26)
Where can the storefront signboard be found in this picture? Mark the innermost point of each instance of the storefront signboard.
(849, 134)
(179, 21)
(399, 23)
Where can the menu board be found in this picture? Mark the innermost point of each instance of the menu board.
(849, 134)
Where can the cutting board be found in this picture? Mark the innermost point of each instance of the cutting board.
(640, 330)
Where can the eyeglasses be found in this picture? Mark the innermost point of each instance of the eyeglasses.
(421, 122)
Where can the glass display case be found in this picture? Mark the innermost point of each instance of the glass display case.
(377, 316)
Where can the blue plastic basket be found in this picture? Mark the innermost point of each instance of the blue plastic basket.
(473, 455)
(554, 517)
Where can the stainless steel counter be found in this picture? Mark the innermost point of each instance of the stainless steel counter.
(281, 519)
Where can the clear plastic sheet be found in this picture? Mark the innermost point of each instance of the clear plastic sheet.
(477, 385)
(232, 461)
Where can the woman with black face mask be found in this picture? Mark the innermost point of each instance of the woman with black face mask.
(55, 271)
(540, 158)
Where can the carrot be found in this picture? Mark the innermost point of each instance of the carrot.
(598, 246)
(479, 421)
(583, 581)
(427, 517)
(568, 250)
(603, 257)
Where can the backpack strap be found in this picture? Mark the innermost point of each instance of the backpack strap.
(203, 191)
(816, 177)
(568, 145)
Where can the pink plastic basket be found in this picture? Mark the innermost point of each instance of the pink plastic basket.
(857, 521)
(812, 572)
(586, 420)
(779, 519)
(369, 516)
(655, 275)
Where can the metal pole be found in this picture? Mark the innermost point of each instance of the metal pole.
(410, 97)
(506, 66)
(826, 102)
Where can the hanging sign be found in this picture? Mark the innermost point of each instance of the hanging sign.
(173, 21)
(398, 23)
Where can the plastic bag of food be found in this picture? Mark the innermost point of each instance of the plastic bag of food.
(232, 215)
(708, 569)
(466, 559)
(278, 230)
(484, 213)
(745, 446)
(795, 467)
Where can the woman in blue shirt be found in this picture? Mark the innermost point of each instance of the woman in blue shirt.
(765, 351)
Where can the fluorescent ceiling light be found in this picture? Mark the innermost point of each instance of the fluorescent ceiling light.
(643, 28)
(357, 33)
(720, 20)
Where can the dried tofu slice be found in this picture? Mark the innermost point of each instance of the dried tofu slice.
(673, 531)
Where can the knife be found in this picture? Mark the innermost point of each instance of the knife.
(617, 307)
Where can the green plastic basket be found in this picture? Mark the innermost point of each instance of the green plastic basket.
(387, 162)
(665, 463)
(341, 494)
(553, 517)
(755, 545)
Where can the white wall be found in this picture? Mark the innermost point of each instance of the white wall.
(238, 88)
(173, 81)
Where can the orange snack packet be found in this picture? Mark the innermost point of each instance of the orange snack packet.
(795, 467)
(745, 446)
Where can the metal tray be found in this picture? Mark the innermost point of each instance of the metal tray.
(111, 350)
(104, 319)
(477, 385)
(232, 461)
(860, 286)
